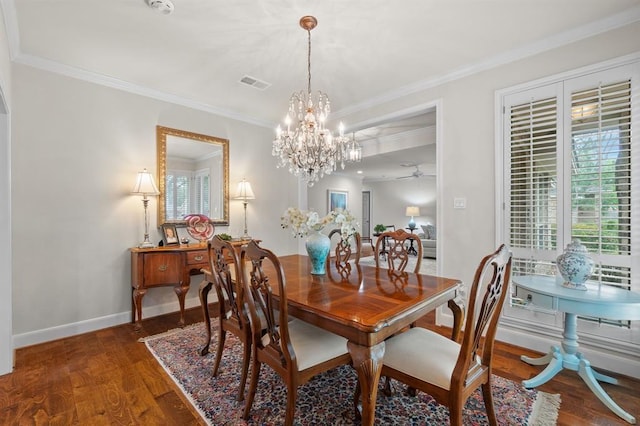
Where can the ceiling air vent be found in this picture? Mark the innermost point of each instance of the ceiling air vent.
(254, 82)
(163, 6)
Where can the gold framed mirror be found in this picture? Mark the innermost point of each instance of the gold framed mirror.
(193, 176)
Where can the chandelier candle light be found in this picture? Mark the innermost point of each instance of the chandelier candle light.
(307, 147)
(145, 185)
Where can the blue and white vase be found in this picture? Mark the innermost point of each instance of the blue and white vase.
(318, 246)
(575, 265)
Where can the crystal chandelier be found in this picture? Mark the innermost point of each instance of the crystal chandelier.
(306, 146)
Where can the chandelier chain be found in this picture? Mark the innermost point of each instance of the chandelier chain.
(307, 147)
(309, 62)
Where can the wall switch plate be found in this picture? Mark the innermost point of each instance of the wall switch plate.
(459, 203)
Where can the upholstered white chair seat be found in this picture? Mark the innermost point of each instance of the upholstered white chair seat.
(313, 345)
(423, 354)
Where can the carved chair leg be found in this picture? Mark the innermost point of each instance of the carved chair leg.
(219, 349)
(255, 373)
(455, 409)
(387, 386)
(488, 403)
(246, 358)
(203, 292)
(292, 396)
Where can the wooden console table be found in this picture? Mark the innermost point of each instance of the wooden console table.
(161, 267)
(604, 301)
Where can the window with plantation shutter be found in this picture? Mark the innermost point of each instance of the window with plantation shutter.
(601, 178)
(569, 155)
(202, 192)
(187, 193)
(178, 194)
(533, 177)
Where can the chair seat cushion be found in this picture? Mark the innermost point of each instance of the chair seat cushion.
(423, 354)
(314, 345)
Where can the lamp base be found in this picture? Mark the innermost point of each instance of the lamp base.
(146, 244)
(245, 237)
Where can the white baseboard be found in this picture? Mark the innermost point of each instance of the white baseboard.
(615, 362)
(67, 330)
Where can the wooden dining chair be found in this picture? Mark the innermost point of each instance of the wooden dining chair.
(447, 370)
(345, 251)
(296, 350)
(232, 314)
(396, 244)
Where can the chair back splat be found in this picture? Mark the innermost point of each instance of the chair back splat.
(295, 350)
(447, 370)
(273, 337)
(345, 251)
(395, 246)
(232, 315)
(494, 272)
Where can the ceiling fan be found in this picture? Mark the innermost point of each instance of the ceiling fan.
(416, 174)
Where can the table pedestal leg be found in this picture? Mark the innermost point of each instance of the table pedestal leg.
(590, 377)
(568, 357)
(367, 360)
(554, 361)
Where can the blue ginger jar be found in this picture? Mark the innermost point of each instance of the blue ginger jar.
(575, 265)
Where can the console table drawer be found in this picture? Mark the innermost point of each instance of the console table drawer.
(162, 269)
(197, 257)
(536, 299)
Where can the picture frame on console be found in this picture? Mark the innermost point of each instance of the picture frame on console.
(337, 199)
(170, 235)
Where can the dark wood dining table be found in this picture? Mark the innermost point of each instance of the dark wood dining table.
(366, 306)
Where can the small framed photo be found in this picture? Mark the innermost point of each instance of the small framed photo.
(170, 235)
(337, 199)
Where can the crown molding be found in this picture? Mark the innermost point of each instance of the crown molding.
(101, 79)
(549, 43)
(540, 46)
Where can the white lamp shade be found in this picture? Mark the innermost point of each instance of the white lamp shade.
(244, 191)
(413, 211)
(145, 185)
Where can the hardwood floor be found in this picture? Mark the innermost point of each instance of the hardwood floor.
(107, 377)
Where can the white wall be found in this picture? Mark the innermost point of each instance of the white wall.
(467, 152)
(6, 339)
(467, 144)
(77, 148)
(71, 262)
(389, 200)
(317, 195)
(318, 199)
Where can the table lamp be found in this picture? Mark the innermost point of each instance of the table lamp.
(245, 193)
(412, 211)
(145, 185)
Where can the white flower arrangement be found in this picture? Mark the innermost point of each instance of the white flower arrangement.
(302, 222)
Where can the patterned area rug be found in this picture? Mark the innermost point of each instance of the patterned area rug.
(427, 266)
(326, 399)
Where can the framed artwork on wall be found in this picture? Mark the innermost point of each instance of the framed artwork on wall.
(337, 199)
(170, 234)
